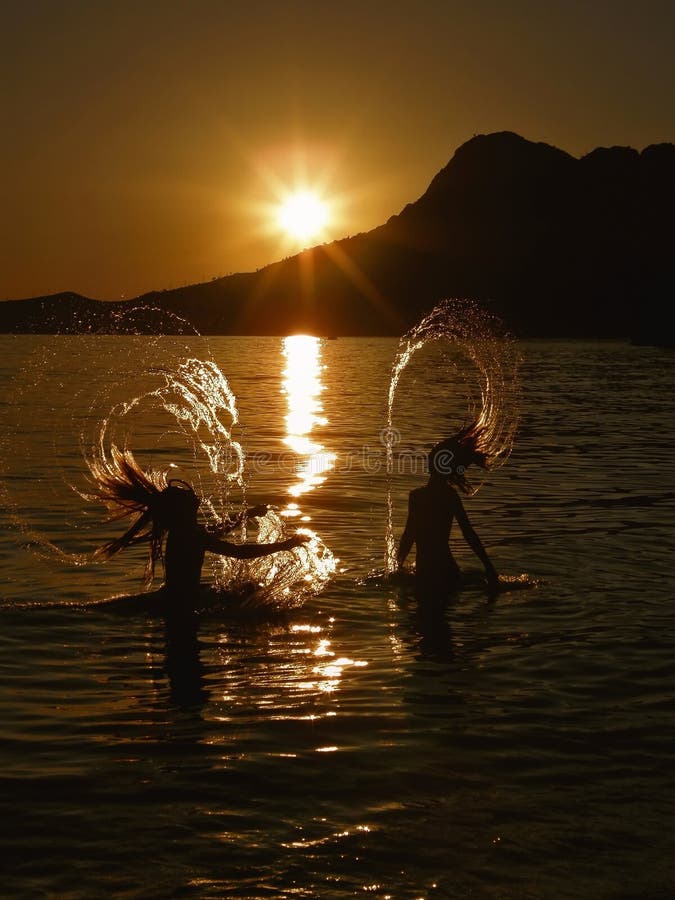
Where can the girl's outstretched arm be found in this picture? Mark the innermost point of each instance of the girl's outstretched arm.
(252, 551)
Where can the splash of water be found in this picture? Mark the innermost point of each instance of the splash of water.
(178, 412)
(489, 358)
(197, 395)
(282, 580)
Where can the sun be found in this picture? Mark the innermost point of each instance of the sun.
(303, 215)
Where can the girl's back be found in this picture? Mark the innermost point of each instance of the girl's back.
(432, 508)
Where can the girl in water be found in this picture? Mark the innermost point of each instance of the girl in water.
(432, 510)
(167, 508)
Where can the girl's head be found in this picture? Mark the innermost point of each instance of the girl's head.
(155, 503)
(176, 502)
(450, 458)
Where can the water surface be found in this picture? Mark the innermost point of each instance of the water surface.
(517, 750)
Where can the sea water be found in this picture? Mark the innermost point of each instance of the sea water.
(516, 749)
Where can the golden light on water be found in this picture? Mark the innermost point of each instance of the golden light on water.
(329, 672)
(303, 387)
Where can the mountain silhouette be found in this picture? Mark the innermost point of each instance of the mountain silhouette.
(557, 246)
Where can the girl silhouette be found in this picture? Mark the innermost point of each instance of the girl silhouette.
(432, 510)
(167, 509)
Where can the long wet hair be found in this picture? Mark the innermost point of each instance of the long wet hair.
(130, 492)
(451, 457)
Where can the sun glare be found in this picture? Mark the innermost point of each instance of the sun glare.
(303, 215)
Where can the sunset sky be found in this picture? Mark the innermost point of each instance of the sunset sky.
(149, 144)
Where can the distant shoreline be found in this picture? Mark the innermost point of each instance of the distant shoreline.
(557, 247)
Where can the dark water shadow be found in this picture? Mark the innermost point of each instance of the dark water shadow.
(427, 609)
(193, 644)
(183, 662)
(436, 613)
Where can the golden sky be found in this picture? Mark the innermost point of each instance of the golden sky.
(145, 143)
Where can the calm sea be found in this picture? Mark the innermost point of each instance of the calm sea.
(523, 749)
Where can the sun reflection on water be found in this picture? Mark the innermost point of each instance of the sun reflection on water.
(303, 386)
(329, 672)
(290, 674)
